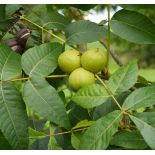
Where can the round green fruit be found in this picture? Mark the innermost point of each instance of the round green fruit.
(69, 60)
(94, 60)
(80, 77)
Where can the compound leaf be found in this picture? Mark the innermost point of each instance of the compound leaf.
(10, 63)
(84, 32)
(41, 60)
(124, 78)
(146, 130)
(13, 119)
(44, 99)
(90, 96)
(133, 26)
(99, 135)
(142, 97)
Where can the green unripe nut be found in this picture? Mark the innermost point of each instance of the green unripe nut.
(69, 60)
(80, 77)
(94, 60)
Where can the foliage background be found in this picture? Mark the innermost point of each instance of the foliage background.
(88, 118)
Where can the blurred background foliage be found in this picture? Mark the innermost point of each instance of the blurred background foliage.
(125, 50)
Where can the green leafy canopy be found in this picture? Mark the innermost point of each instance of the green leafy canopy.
(39, 112)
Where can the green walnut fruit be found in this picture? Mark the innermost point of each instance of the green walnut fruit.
(69, 60)
(80, 77)
(94, 60)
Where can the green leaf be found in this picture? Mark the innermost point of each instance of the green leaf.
(34, 135)
(34, 122)
(13, 119)
(10, 63)
(55, 20)
(75, 139)
(84, 7)
(2, 11)
(11, 9)
(52, 145)
(142, 97)
(5, 25)
(109, 105)
(4, 144)
(44, 99)
(124, 78)
(129, 140)
(83, 124)
(137, 6)
(77, 113)
(142, 82)
(41, 60)
(40, 144)
(84, 32)
(133, 26)
(99, 135)
(34, 39)
(35, 12)
(90, 96)
(148, 117)
(153, 84)
(146, 130)
(63, 140)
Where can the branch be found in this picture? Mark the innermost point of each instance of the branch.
(60, 133)
(111, 94)
(116, 58)
(113, 54)
(27, 78)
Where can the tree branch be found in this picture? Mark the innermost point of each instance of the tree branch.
(113, 54)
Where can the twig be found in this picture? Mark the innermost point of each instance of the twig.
(113, 54)
(42, 28)
(27, 78)
(111, 94)
(116, 58)
(60, 133)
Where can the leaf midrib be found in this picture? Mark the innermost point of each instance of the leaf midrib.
(35, 66)
(122, 78)
(7, 108)
(139, 101)
(4, 66)
(109, 126)
(142, 122)
(40, 96)
(106, 129)
(92, 96)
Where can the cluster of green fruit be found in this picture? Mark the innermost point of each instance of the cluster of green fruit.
(82, 66)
